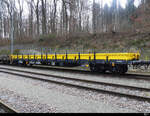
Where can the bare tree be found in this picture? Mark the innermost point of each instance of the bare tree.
(54, 17)
(11, 9)
(1, 19)
(30, 5)
(37, 17)
(65, 15)
(94, 17)
(44, 31)
(20, 3)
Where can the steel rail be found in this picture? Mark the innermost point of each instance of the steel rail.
(128, 75)
(7, 108)
(88, 72)
(81, 80)
(141, 98)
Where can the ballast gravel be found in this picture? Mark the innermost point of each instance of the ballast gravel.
(98, 86)
(101, 78)
(121, 104)
(23, 104)
(1, 110)
(62, 101)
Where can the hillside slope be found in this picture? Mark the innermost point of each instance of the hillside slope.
(106, 42)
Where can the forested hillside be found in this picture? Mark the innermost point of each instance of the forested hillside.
(88, 24)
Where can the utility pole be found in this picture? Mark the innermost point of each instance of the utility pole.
(12, 5)
(12, 31)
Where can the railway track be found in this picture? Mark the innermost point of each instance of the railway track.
(6, 109)
(81, 83)
(88, 72)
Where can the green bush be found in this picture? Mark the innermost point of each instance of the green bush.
(138, 42)
(45, 37)
(4, 52)
(16, 51)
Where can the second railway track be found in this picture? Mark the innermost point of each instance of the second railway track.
(6, 109)
(87, 72)
(82, 84)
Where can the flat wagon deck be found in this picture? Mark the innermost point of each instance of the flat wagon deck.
(114, 62)
(92, 56)
(98, 62)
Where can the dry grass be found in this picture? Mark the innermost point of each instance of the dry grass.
(99, 42)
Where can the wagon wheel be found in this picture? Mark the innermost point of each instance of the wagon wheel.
(93, 68)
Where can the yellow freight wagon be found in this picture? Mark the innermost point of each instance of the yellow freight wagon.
(98, 62)
(91, 56)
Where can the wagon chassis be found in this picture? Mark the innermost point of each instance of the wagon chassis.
(96, 65)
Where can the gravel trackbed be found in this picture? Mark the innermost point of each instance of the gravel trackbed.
(56, 100)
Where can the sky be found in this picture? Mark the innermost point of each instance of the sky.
(122, 2)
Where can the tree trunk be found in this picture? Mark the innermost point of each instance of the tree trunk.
(43, 17)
